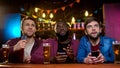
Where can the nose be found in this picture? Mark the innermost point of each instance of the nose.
(30, 27)
(61, 28)
(93, 28)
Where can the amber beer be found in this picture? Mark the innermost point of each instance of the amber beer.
(5, 51)
(116, 47)
(46, 49)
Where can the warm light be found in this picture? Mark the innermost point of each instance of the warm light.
(86, 13)
(73, 20)
(91, 14)
(43, 15)
(51, 15)
(34, 16)
(36, 10)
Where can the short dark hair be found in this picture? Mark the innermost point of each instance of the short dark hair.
(28, 18)
(63, 21)
(90, 19)
(58, 21)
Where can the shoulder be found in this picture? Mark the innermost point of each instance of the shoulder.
(51, 40)
(38, 41)
(13, 41)
(84, 38)
(107, 38)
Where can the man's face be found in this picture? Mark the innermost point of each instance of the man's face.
(29, 27)
(62, 28)
(93, 29)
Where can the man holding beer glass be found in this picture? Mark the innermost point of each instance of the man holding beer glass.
(26, 49)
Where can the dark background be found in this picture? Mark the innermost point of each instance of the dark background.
(14, 6)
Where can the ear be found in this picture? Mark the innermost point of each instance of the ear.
(22, 30)
(35, 29)
(85, 32)
(100, 29)
(55, 27)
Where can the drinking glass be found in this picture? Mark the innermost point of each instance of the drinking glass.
(5, 52)
(46, 50)
(116, 48)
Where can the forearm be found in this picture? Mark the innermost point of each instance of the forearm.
(109, 60)
(80, 59)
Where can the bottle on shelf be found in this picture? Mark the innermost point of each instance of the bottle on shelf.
(74, 36)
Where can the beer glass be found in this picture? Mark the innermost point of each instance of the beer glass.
(5, 52)
(116, 48)
(46, 50)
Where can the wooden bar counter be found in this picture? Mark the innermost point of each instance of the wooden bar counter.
(60, 65)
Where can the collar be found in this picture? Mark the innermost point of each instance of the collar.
(65, 42)
(101, 40)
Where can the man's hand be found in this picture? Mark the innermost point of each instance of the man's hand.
(99, 59)
(89, 59)
(61, 57)
(69, 52)
(27, 60)
(20, 45)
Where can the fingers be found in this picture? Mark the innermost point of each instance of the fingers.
(68, 50)
(89, 54)
(88, 61)
(20, 45)
(27, 60)
(61, 58)
(100, 58)
(61, 54)
(100, 55)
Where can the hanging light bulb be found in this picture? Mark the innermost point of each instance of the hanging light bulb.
(73, 20)
(86, 13)
(43, 15)
(51, 15)
(36, 10)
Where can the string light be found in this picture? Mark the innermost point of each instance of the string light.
(86, 13)
(51, 15)
(43, 15)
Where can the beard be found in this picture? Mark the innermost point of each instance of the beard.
(63, 37)
(93, 38)
(28, 36)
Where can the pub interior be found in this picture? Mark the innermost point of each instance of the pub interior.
(47, 12)
(58, 9)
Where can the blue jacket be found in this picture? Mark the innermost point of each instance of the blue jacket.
(105, 48)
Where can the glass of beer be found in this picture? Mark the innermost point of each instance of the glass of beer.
(46, 50)
(5, 52)
(116, 47)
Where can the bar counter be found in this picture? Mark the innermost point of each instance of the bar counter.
(60, 65)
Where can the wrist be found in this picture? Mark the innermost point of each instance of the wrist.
(85, 60)
(14, 48)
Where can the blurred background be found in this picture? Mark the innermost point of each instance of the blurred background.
(47, 12)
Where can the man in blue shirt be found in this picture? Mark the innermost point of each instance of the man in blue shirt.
(95, 48)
